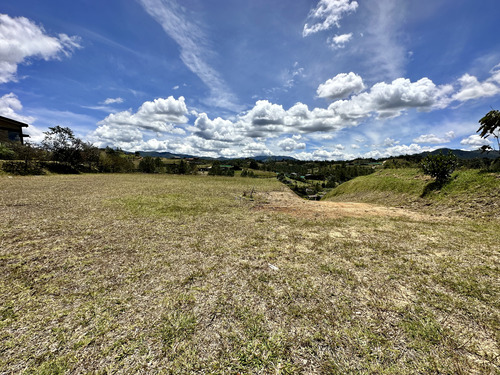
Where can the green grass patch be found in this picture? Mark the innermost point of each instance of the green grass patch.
(468, 192)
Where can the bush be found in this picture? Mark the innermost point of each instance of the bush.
(22, 168)
(440, 166)
(6, 153)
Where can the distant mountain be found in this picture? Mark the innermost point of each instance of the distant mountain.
(461, 154)
(272, 158)
(170, 155)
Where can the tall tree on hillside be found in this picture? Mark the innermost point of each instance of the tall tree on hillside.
(490, 125)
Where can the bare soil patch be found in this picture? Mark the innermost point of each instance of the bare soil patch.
(289, 203)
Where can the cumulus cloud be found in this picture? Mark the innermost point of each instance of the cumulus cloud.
(157, 116)
(471, 88)
(341, 86)
(217, 129)
(268, 124)
(21, 39)
(323, 153)
(390, 100)
(290, 144)
(433, 139)
(339, 41)
(383, 100)
(397, 150)
(475, 141)
(328, 14)
(264, 119)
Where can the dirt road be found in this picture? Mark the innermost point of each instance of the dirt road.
(289, 203)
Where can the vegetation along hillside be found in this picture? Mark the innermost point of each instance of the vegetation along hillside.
(469, 192)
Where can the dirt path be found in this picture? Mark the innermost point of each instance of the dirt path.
(289, 203)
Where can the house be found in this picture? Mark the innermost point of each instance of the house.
(11, 130)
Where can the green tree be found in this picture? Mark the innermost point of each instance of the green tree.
(490, 125)
(440, 166)
(63, 146)
(90, 155)
(115, 161)
(151, 165)
(253, 165)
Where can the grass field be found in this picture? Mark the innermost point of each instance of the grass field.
(186, 274)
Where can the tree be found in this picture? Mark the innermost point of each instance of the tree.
(440, 166)
(90, 155)
(151, 165)
(253, 165)
(63, 145)
(490, 125)
(115, 161)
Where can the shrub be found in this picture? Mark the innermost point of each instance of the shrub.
(22, 168)
(440, 166)
(6, 153)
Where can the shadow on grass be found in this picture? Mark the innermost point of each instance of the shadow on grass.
(433, 187)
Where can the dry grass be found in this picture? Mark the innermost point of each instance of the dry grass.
(161, 274)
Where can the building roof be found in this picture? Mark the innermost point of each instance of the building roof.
(13, 122)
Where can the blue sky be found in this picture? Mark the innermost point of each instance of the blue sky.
(327, 79)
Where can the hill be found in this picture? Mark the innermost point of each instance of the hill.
(469, 193)
(461, 154)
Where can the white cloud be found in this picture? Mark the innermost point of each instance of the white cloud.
(389, 142)
(433, 139)
(268, 127)
(339, 41)
(471, 88)
(10, 105)
(217, 129)
(390, 100)
(323, 153)
(263, 120)
(255, 149)
(290, 144)
(397, 150)
(112, 101)
(341, 86)
(21, 39)
(156, 116)
(475, 141)
(328, 14)
(268, 120)
(195, 48)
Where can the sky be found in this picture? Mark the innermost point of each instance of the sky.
(316, 80)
